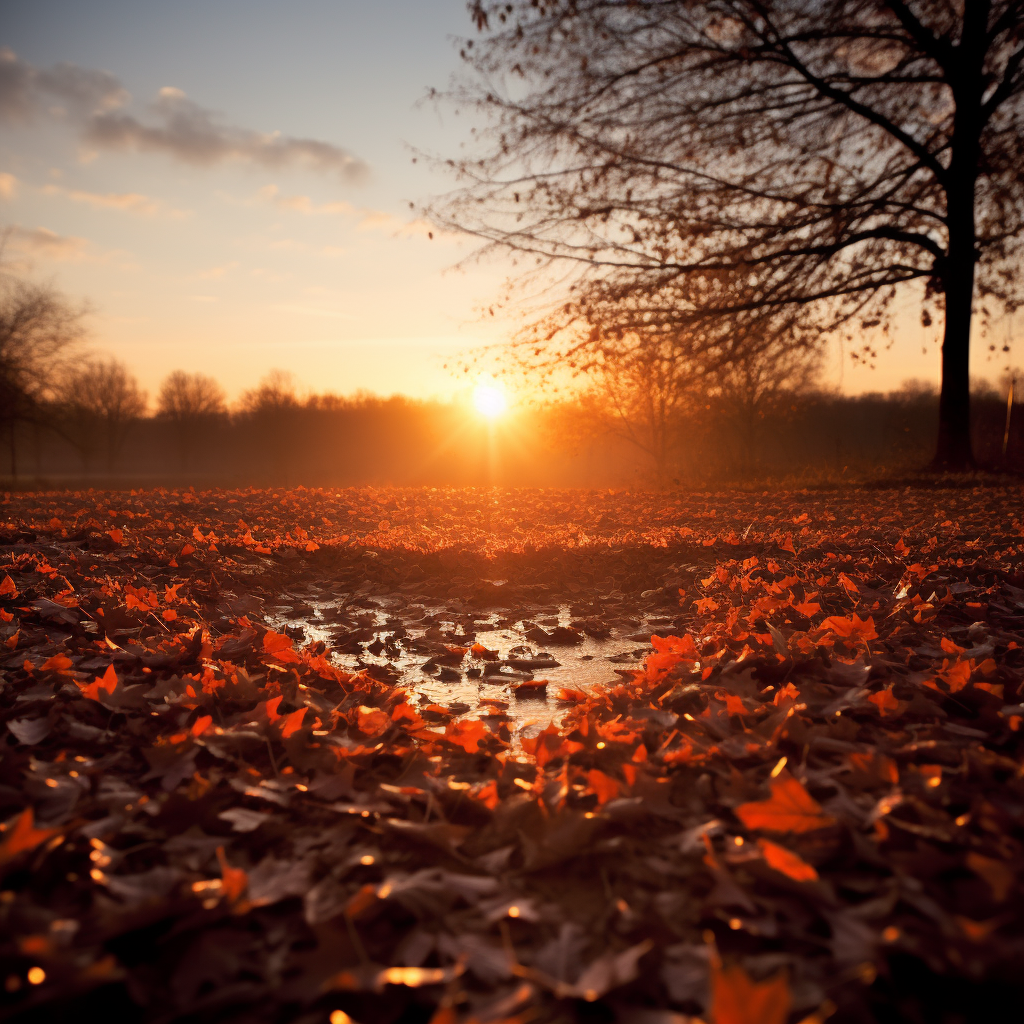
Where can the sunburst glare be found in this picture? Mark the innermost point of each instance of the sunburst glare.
(489, 400)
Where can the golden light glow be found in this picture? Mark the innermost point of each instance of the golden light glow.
(489, 400)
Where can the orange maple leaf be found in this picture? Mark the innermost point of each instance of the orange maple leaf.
(7, 587)
(279, 646)
(58, 663)
(488, 794)
(269, 708)
(22, 836)
(786, 862)
(854, 627)
(737, 999)
(101, 686)
(371, 721)
(603, 785)
(568, 693)
(734, 704)
(850, 586)
(886, 703)
(291, 723)
(807, 608)
(958, 675)
(467, 735)
(788, 692)
(683, 646)
(790, 808)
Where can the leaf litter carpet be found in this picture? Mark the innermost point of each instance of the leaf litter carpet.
(802, 801)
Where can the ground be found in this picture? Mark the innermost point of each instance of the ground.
(291, 756)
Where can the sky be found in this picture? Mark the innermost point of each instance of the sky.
(228, 185)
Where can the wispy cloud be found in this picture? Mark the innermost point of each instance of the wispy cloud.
(178, 127)
(304, 204)
(30, 244)
(79, 92)
(46, 243)
(127, 202)
(314, 311)
(366, 219)
(8, 186)
(216, 273)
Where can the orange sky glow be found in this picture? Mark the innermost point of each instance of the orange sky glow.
(228, 186)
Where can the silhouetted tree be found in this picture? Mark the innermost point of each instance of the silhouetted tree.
(37, 329)
(99, 402)
(758, 387)
(191, 403)
(716, 162)
(273, 412)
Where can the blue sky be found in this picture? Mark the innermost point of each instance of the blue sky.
(236, 267)
(254, 255)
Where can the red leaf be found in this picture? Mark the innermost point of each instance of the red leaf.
(886, 703)
(201, 724)
(101, 686)
(603, 785)
(467, 735)
(790, 808)
(786, 862)
(737, 999)
(291, 723)
(853, 628)
(58, 663)
(371, 721)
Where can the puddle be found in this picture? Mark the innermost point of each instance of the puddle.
(411, 645)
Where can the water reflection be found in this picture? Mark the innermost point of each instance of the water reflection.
(418, 646)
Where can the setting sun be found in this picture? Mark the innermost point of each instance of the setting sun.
(489, 401)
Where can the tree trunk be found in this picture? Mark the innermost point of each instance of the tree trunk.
(954, 451)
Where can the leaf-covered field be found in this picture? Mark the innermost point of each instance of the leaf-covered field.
(804, 803)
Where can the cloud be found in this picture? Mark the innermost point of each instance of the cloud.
(47, 243)
(30, 244)
(368, 220)
(180, 128)
(304, 204)
(8, 185)
(314, 311)
(216, 273)
(25, 90)
(128, 202)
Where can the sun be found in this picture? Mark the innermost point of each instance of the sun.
(489, 401)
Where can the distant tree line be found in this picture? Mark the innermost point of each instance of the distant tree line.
(67, 416)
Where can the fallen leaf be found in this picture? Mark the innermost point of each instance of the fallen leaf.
(790, 808)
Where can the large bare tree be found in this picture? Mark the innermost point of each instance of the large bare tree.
(38, 327)
(710, 166)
